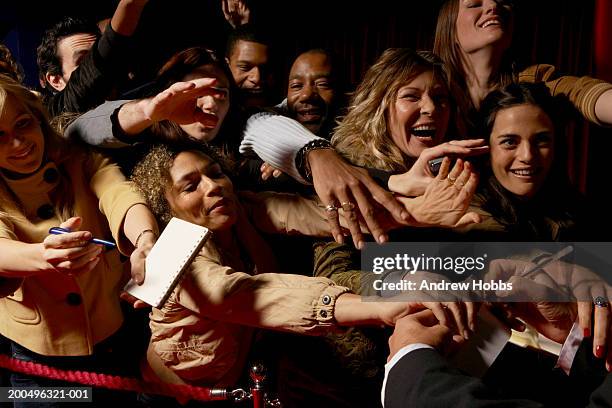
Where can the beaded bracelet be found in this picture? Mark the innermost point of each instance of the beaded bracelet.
(301, 162)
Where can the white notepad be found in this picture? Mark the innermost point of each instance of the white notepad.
(483, 346)
(168, 260)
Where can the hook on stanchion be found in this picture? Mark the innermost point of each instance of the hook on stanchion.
(258, 376)
(259, 396)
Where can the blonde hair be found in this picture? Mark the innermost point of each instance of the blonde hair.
(56, 149)
(362, 136)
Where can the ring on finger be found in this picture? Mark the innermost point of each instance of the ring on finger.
(600, 301)
(347, 206)
(331, 208)
(451, 180)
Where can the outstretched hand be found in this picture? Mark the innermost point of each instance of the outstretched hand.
(178, 103)
(414, 182)
(342, 185)
(71, 253)
(560, 280)
(236, 12)
(422, 327)
(447, 198)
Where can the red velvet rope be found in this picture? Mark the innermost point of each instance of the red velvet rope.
(179, 391)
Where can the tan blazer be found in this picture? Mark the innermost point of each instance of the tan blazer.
(582, 92)
(55, 314)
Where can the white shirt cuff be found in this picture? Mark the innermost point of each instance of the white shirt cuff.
(397, 357)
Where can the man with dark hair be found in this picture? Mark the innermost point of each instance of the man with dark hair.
(78, 67)
(313, 91)
(247, 54)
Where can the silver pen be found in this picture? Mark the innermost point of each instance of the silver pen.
(555, 257)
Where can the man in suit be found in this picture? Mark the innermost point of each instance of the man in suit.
(418, 375)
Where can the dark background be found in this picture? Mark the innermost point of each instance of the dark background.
(557, 32)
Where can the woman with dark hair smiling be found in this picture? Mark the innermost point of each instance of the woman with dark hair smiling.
(525, 191)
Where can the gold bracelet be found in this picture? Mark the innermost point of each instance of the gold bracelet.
(141, 234)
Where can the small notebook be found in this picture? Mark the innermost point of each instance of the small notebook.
(168, 260)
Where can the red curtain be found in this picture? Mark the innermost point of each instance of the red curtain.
(603, 39)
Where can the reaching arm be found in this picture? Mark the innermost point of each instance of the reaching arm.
(127, 15)
(603, 108)
(90, 84)
(120, 123)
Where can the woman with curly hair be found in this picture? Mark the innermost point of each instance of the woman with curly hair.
(202, 333)
(8, 65)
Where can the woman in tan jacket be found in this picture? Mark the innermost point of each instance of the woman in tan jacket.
(203, 332)
(60, 301)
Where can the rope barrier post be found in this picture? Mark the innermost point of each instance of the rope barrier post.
(258, 376)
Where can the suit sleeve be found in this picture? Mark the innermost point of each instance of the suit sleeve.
(424, 379)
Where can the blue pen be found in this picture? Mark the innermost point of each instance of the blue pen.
(59, 231)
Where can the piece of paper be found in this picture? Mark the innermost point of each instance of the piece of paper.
(483, 347)
(168, 260)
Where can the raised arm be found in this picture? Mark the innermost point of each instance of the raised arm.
(92, 81)
(118, 124)
(236, 12)
(603, 108)
(127, 15)
(590, 96)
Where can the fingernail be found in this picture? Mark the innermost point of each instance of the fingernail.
(360, 245)
(405, 216)
(599, 350)
(472, 326)
(586, 332)
(466, 334)
(340, 238)
(382, 239)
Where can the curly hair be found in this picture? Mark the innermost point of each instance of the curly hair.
(151, 176)
(8, 65)
(362, 136)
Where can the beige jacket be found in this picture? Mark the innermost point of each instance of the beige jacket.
(203, 332)
(55, 314)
